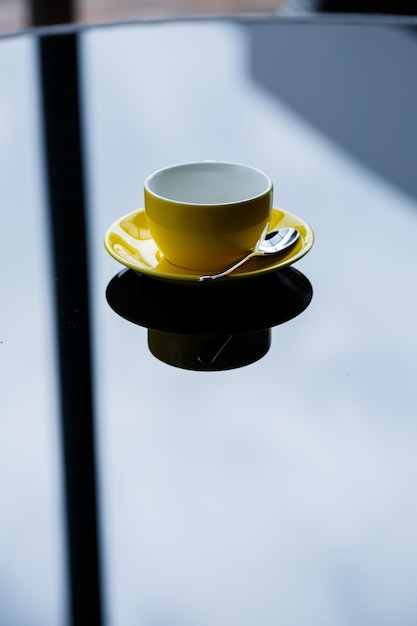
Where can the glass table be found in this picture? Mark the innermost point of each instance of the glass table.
(172, 454)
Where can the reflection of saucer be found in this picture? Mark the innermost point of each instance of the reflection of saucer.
(223, 308)
(128, 241)
(218, 328)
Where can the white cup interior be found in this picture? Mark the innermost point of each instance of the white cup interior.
(208, 183)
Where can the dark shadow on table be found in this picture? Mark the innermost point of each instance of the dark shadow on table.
(210, 327)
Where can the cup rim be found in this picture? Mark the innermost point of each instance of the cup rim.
(267, 189)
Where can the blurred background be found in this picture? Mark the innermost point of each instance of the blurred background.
(21, 14)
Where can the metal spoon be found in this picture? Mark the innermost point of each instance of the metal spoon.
(271, 243)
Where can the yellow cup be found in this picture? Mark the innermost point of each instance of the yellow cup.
(207, 215)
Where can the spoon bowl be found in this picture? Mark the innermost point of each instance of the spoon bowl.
(269, 243)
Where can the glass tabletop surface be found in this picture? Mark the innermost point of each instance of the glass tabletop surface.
(236, 453)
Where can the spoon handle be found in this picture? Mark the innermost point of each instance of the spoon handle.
(229, 269)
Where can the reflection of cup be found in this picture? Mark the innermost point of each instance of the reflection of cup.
(222, 327)
(207, 215)
(209, 352)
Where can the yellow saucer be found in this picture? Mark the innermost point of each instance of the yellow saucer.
(128, 241)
